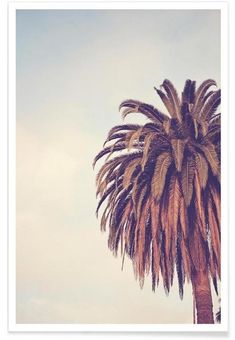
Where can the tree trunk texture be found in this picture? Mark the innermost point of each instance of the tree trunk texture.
(202, 294)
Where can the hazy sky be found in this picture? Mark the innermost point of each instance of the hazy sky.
(73, 70)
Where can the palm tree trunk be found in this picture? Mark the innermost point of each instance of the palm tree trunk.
(202, 294)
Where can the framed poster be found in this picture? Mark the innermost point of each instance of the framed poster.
(160, 262)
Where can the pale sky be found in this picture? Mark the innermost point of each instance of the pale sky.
(73, 70)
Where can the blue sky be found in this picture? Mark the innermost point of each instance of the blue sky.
(73, 70)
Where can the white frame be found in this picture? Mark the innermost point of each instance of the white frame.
(12, 325)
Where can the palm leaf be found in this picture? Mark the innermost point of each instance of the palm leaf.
(187, 176)
(108, 166)
(147, 143)
(158, 180)
(168, 104)
(211, 105)
(166, 125)
(202, 169)
(200, 207)
(173, 97)
(155, 242)
(109, 150)
(135, 106)
(185, 259)
(192, 92)
(183, 217)
(178, 146)
(134, 138)
(105, 195)
(211, 157)
(119, 136)
(174, 204)
(140, 245)
(195, 124)
(124, 127)
(215, 119)
(129, 172)
(141, 200)
(200, 94)
(188, 93)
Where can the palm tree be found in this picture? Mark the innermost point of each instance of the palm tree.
(162, 189)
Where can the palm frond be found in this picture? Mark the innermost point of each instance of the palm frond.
(124, 127)
(134, 138)
(200, 95)
(187, 176)
(173, 98)
(186, 91)
(129, 172)
(178, 146)
(158, 181)
(147, 147)
(174, 204)
(202, 169)
(183, 218)
(200, 207)
(211, 157)
(135, 106)
(211, 106)
(188, 94)
(109, 150)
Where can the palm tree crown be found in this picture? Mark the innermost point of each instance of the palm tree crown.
(162, 186)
